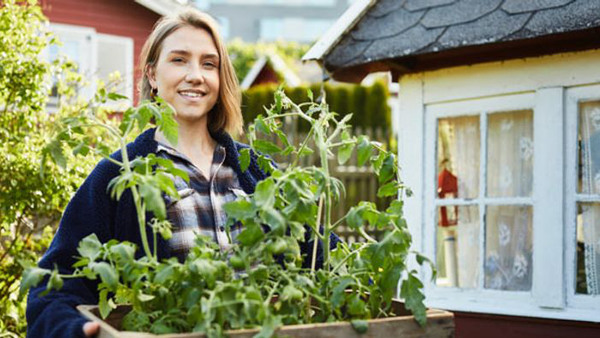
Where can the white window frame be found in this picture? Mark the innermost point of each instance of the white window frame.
(574, 96)
(128, 77)
(547, 83)
(87, 51)
(481, 108)
(88, 65)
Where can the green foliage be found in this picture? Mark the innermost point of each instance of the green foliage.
(262, 281)
(243, 54)
(368, 105)
(32, 196)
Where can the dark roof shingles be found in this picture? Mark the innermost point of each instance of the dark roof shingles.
(577, 15)
(491, 28)
(383, 7)
(460, 12)
(417, 5)
(520, 6)
(396, 22)
(408, 42)
(390, 28)
(349, 50)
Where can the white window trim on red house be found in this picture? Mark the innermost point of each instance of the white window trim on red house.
(90, 44)
(547, 85)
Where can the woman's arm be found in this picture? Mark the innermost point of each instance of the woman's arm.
(91, 210)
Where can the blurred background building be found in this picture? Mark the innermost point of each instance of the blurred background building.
(271, 20)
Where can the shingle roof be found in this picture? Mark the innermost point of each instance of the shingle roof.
(401, 28)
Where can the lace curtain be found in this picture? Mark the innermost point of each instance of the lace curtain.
(509, 172)
(459, 148)
(589, 134)
(508, 247)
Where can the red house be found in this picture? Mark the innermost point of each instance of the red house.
(104, 36)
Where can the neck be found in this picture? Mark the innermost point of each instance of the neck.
(194, 141)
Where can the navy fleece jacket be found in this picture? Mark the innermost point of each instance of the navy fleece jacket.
(92, 210)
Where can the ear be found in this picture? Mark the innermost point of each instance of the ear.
(151, 74)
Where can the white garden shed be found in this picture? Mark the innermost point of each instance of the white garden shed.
(499, 139)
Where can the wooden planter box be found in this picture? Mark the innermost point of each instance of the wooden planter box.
(439, 324)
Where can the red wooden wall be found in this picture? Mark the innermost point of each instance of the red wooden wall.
(117, 17)
(476, 325)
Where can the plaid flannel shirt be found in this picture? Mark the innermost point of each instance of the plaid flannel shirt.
(200, 207)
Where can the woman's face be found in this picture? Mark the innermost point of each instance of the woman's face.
(187, 73)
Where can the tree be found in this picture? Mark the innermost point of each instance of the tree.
(32, 196)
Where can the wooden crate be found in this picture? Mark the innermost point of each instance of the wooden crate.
(439, 324)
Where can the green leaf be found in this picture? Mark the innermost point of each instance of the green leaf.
(123, 252)
(107, 274)
(309, 93)
(389, 280)
(261, 126)
(273, 218)
(244, 159)
(165, 273)
(89, 247)
(278, 100)
(55, 282)
(144, 297)
(364, 150)
(105, 305)
(360, 325)
(305, 151)
(240, 209)
(115, 96)
(266, 147)
(410, 291)
(153, 199)
(339, 291)
(378, 162)
(167, 124)
(388, 170)
(264, 195)
(251, 234)
(32, 276)
(345, 151)
(388, 189)
(269, 326)
(57, 153)
(81, 149)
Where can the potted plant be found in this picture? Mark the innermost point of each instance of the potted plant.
(262, 285)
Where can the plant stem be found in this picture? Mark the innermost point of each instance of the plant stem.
(340, 264)
(315, 237)
(327, 199)
(137, 202)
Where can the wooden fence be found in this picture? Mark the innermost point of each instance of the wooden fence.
(360, 181)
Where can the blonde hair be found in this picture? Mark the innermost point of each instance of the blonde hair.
(226, 114)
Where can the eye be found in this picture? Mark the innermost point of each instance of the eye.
(210, 64)
(177, 59)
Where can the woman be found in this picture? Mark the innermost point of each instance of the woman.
(184, 62)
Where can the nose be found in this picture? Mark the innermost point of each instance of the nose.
(194, 74)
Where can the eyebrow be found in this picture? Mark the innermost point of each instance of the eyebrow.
(187, 53)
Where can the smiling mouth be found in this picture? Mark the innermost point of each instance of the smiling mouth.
(192, 94)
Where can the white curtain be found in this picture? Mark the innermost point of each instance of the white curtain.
(589, 134)
(459, 151)
(508, 246)
(510, 154)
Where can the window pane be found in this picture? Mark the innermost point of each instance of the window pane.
(508, 248)
(589, 147)
(458, 157)
(457, 247)
(588, 248)
(510, 154)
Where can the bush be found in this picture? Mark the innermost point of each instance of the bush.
(32, 196)
(367, 104)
